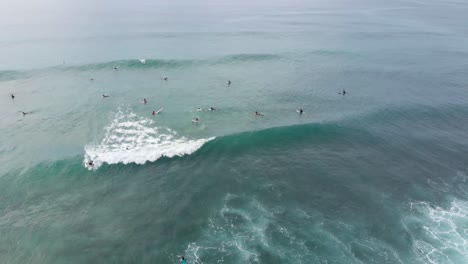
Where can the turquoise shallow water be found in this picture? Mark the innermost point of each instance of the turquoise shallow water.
(376, 176)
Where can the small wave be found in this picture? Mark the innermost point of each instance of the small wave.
(169, 63)
(134, 139)
(13, 75)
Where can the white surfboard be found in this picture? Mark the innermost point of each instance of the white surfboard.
(159, 111)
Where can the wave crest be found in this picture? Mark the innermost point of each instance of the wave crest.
(134, 139)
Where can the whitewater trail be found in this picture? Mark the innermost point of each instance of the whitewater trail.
(134, 139)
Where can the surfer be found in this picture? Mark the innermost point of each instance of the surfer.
(91, 79)
(165, 78)
(258, 114)
(229, 82)
(12, 96)
(199, 109)
(183, 260)
(196, 120)
(212, 109)
(154, 113)
(105, 95)
(301, 111)
(91, 164)
(343, 93)
(25, 113)
(116, 68)
(144, 100)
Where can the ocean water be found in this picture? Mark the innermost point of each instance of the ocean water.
(378, 175)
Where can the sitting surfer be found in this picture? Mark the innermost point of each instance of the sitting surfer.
(12, 96)
(258, 114)
(144, 100)
(154, 113)
(165, 78)
(229, 82)
(301, 111)
(196, 120)
(343, 93)
(183, 260)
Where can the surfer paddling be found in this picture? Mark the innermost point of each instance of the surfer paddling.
(105, 96)
(25, 113)
(258, 114)
(343, 93)
(196, 120)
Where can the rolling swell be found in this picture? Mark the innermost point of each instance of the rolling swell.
(137, 64)
(164, 63)
(402, 126)
(295, 135)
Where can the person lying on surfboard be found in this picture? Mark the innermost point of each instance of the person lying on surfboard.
(258, 114)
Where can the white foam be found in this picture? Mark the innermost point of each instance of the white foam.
(445, 238)
(133, 139)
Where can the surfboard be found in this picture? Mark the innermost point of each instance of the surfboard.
(159, 111)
